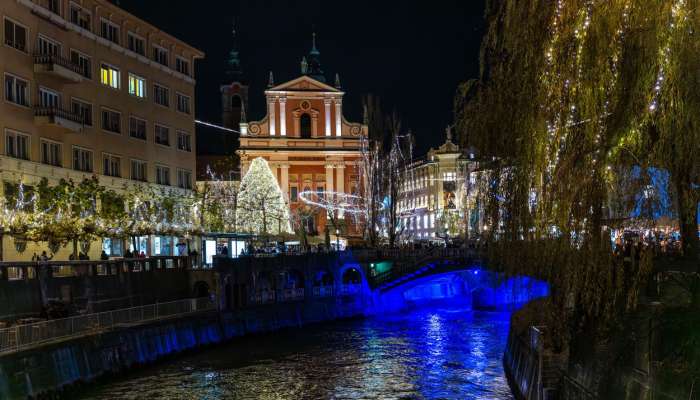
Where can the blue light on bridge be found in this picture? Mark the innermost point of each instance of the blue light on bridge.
(472, 288)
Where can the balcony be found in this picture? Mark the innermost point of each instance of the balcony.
(58, 67)
(58, 117)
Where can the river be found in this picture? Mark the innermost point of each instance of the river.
(426, 353)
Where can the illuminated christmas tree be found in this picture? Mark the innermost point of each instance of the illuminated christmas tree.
(261, 206)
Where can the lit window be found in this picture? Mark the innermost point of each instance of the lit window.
(137, 86)
(109, 76)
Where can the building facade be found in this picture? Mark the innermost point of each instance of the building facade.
(89, 89)
(309, 145)
(437, 194)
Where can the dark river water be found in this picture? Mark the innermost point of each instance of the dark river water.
(435, 353)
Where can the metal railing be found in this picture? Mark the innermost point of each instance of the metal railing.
(26, 270)
(55, 59)
(21, 337)
(58, 112)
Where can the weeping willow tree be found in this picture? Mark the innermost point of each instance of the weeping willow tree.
(572, 95)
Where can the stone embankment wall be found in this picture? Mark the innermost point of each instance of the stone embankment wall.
(49, 371)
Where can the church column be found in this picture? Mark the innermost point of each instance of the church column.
(284, 185)
(327, 115)
(338, 114)
(273, 168)
(329, 179)
(271, 114)
(283, 116)
(340, 182)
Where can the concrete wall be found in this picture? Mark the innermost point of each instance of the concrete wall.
(52, 369)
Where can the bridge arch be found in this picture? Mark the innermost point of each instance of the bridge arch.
(352, 275)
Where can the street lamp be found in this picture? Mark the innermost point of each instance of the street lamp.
(337, 240)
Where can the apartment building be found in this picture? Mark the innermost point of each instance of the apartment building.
(89, 89)
(437, 194)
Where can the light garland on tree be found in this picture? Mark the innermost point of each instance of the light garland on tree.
(261, 205)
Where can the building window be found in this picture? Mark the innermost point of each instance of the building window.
(51, 153)
(16, 90)
(184, 179)
(54, 6)
(162, 135)
(15, 35)
(109, 31)
(109, 76)
(293, 194)
(183, 103)
(137, 86)
(138, 170)
(83, 109)
(160, 55)
(83, 62)
(46, 46)
(17, 145)
(111, 165)
(161, 95)
(305, 126)
(136, 44)
(49, 98)
(80, 16)
(137, 128)
(182, 66)
(162, 175)
(111, 121)
(184, 141)
(82, 159)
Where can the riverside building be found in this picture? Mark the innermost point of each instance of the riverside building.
(438, 194)
(89, 89)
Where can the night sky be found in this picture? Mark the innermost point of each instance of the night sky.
(412, 54)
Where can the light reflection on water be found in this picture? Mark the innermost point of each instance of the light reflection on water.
(422, 354)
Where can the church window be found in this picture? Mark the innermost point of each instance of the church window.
(305, 126)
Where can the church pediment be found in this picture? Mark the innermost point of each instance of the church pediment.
(304, 83)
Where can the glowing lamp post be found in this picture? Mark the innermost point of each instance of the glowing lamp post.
(337, 240)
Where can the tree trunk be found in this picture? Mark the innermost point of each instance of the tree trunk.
(687, 216)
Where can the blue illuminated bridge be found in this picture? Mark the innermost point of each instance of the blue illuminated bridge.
(372, 281)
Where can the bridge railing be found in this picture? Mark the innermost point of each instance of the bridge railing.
(26, 270)
(29, 335)
(418, 260)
